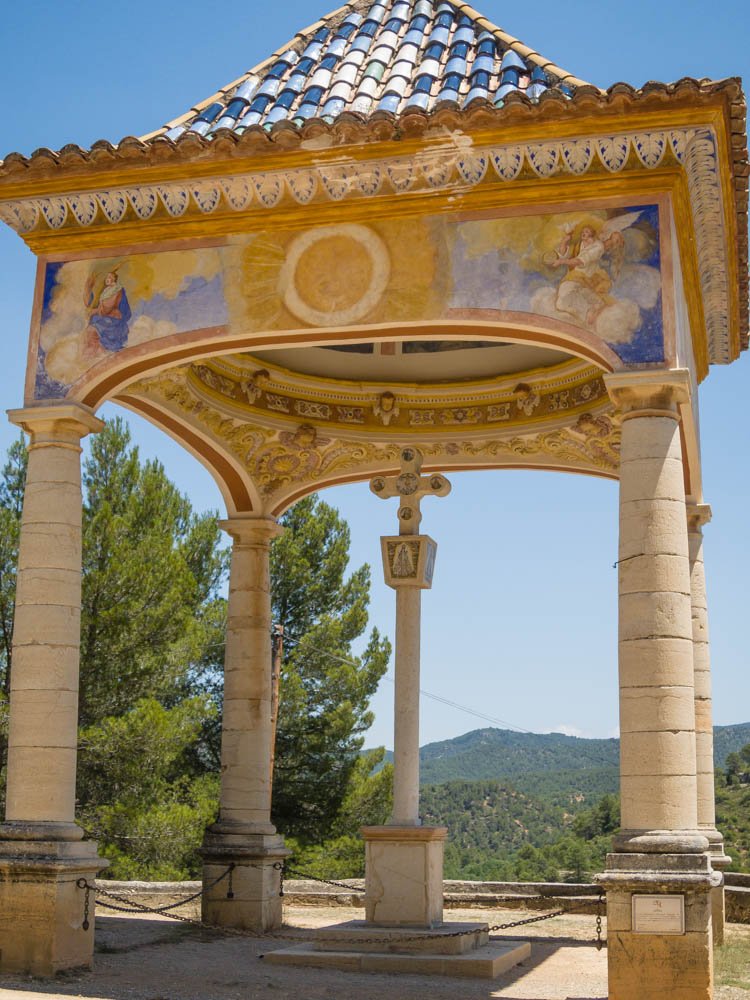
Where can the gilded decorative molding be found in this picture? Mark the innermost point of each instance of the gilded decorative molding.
(700, 162)
(392, 410)
(283, 463)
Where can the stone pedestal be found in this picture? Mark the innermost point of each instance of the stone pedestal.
(41, 907)
(404, 875)
(661, 947)
(251, 898)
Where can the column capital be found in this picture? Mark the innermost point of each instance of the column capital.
(63, 423)
(252, 530)
(698, 514)
(649, 393)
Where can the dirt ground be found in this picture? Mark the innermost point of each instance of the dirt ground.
(154, 958)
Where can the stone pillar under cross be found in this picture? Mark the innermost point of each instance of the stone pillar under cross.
(244, 835)
(42, 851)
(405, 859)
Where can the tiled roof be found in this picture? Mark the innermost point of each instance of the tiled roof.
(380, 57)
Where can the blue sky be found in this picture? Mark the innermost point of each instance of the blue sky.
(521, 623)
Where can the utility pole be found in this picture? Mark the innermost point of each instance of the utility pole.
(277, 659)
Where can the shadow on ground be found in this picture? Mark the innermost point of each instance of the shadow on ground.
(143, 958)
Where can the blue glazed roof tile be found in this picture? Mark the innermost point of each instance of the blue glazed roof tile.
(386, 56)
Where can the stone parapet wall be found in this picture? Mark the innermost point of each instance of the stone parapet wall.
(571, 897)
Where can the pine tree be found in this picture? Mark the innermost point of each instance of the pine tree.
(325, 689)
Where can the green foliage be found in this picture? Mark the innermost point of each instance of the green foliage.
(729, 739)
(12, 479)
(602, 819)
(325, 690)
(367, 802)
(545, 764)
(496, 833)
(152, 643)
(738, 767)
(732, 960)
(151, 569)
(139, 798)
(488, 815)
(733, 807)
(151, 620)
(339, 858)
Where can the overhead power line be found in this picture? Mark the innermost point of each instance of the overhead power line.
(436, 697)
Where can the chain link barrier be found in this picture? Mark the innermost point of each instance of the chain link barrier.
(132, 906)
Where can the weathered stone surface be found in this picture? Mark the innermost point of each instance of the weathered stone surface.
(404, 880)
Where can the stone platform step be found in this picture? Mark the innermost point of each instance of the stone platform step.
(448, 938)
(453, 949)
(487, 962)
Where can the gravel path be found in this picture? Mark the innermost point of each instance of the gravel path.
(156, 959)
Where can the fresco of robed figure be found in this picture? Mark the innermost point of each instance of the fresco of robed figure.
(108, 317)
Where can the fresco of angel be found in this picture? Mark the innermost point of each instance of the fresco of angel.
(596, 269)
(592, 256)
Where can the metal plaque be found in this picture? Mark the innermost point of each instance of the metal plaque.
(659, 914)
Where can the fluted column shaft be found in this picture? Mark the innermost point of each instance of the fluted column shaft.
(43, 732)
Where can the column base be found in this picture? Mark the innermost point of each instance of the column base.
(660, 842)
(661, 944)
(252, 900)
(719, 862)
(404, 875)
(41, 907)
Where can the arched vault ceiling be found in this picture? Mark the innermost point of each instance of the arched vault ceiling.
(278, 435)
(418, 361)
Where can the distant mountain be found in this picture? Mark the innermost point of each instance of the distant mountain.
(499, 753)
(548, 766)
(729, 739)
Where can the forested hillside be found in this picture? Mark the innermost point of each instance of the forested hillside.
(544, 764)
(496, 833)
(499, 753)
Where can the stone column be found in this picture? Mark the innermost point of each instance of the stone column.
(42, 852)
(406, 708)
(659, 877)
(244, 835)
(697, 516)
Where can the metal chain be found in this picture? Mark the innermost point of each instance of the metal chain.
(599, 940)
(86, 899)
(527, 920)
(132, 906)
(325, 881)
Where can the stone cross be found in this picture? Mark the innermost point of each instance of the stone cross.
(408, 563)
(409, 486)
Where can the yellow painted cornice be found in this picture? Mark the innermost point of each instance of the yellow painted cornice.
(78, 177)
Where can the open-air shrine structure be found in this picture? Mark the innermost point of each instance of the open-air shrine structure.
(405, 239)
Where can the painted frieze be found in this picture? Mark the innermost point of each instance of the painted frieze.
(590, 276)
